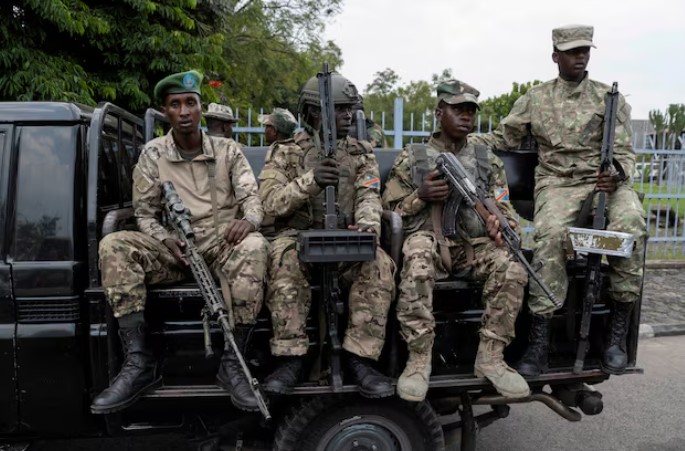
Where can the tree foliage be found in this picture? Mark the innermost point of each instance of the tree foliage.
(116, 50)
(668, 125)
(493, 109)
(420, 99)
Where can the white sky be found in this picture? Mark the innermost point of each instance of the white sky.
(490, 44)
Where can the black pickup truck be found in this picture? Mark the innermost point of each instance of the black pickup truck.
(65, 182)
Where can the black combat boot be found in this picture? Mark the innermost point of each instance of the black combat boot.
(535, 359)
(372, 384)
(615, 357)
(286, 375)
(138, 373)
(232, 379)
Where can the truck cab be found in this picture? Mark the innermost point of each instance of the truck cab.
(66, 181)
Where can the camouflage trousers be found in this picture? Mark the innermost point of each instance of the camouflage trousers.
(503, 284)
(371, 288)
(130, 260)
(556, 209)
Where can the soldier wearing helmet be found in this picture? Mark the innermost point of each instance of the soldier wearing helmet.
(292, 185)
(375, 133)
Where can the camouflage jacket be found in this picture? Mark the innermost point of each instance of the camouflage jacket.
(295, 201)
(402, 195)
(567, 121)
(376, 135)
(236, 186)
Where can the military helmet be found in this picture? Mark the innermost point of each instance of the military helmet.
(342, 90)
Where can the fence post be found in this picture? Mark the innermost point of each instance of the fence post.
(399, 110)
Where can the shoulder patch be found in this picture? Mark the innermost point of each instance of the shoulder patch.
(372, 181)
(501, 194)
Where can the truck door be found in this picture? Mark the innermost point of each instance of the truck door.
(8, 374)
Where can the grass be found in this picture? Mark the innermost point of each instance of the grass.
(675, 204)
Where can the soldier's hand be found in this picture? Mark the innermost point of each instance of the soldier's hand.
(361, 228)
(492, 225)
(434, 189)
(176, 247)
(607, 182)
(237, 230)
(326, 173)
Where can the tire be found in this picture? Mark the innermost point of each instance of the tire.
(353, 423)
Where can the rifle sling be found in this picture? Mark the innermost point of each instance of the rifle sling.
(436, 212)
(225, 288)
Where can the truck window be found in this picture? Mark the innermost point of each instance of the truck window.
(45, 193)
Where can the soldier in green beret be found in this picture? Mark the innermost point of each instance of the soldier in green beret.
(565, 116)
(216, 183)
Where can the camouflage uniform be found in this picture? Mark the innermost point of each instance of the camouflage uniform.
(503, 278)
(567, 120)
(291, 195)
(376, 134)
(129, 260)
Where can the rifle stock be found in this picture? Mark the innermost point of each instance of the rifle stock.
(179, 217)
(480, 201)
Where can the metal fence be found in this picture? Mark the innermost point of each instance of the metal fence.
(659, 174)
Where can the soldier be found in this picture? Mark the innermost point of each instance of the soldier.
(374, 131)
(428, 255)
(565, 116)
(220, 120)
(291, 187)
(215, 182)
(278, 127)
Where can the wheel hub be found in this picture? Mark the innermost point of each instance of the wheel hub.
(363, 437)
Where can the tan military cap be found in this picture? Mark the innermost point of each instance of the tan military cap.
(572, 36)
(220, 112)
(455, 92)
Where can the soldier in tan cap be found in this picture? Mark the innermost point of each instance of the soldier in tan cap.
(565, 115)
(415, 191)
(220, 120)
(215, 181)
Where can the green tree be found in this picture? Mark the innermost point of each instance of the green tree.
(116, 50)
(669, 126)
(493, 109)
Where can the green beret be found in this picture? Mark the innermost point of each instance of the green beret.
(178, 83)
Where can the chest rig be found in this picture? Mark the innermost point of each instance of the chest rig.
(422, 159)
(346, 156)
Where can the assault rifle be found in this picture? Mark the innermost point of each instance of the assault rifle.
(481, 202)
(593, 277)
(179, 216)
(361, 133)
(331, 246)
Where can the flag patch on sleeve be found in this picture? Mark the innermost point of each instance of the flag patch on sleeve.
(372, 181)
(501, 194)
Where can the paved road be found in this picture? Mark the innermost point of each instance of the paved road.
(641, 413)
(663, 301)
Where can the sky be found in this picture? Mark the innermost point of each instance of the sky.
(490, 44)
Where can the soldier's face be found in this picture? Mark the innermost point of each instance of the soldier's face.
(343, 119)
(184, 112)
(270, 134)
(456, 121)
(228, 129)
(572, 63)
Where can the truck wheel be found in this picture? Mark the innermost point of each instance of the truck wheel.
(358, 424)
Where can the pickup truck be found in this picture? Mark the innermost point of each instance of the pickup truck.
(65, 182)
